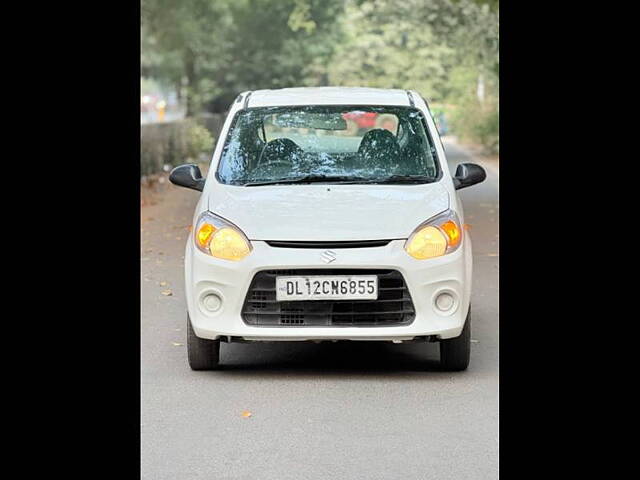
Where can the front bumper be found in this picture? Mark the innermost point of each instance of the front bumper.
(425, 279)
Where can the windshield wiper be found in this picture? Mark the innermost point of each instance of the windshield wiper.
(310, 179)
(403, 179)
(344, 179)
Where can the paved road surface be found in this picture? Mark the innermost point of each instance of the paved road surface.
(343, 411)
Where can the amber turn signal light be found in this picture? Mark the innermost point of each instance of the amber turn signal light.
(453, 232)
(204, 234)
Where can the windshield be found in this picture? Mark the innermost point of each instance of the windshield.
(304, 144)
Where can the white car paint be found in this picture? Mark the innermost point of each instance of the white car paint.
(347, 212)
(328, 213)
(328, 96)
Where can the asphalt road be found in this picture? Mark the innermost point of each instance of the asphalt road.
(346, 411)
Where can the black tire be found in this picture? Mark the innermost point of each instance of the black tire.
(203, 354)
(456, 352)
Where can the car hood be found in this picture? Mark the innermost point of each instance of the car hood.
(328, 212)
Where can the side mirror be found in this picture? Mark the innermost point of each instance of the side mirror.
(468, 174)
(187, 175)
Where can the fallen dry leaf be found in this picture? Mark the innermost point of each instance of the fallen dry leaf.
(166, 293)
(246, 414)
(176, 344)
(163, 284)
(492, 255)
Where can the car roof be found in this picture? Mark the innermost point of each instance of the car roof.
(327, 96)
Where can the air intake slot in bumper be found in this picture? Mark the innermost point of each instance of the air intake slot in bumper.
(393, 307)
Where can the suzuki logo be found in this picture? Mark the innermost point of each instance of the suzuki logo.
(328, 256)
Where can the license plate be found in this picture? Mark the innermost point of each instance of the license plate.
(324, 287)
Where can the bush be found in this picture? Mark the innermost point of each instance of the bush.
(198, 141)
(487, 131)
(171, 144)
(481, 125)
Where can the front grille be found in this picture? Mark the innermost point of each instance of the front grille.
(339, 244)
(392, 308)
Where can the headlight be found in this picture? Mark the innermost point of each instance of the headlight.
(217, 237)
(435, 237)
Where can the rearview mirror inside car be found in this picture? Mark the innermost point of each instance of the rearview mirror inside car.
(317, 121)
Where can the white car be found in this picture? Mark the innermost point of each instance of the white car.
(328, 214)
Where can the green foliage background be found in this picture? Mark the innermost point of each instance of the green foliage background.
(168, 144)
(210, 50)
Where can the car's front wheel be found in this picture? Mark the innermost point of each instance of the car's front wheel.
(204, 354)
(455, 352)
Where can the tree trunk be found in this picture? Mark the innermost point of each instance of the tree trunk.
(480, 89)
(190, 73)
(178, 86)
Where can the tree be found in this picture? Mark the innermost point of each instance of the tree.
(180, 38)
(218, 48)
(468, 30)
(211, 50)
(380, 53)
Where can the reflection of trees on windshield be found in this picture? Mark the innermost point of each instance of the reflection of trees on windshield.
(288, 142)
